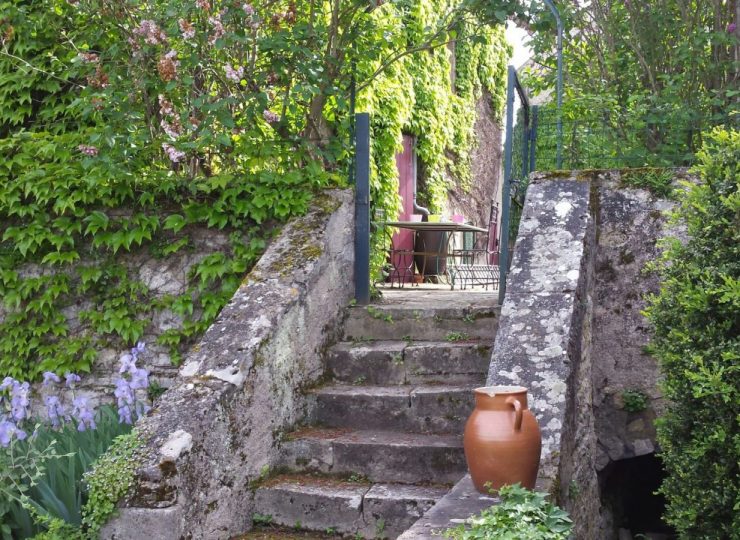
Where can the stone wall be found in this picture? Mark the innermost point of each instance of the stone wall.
(161, 275)
(572, 331)
(217, 429)
(485, 169)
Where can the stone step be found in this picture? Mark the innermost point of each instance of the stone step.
(419, 409)
(379, 456)
(321, 504)
(392, 322)
(401, 362)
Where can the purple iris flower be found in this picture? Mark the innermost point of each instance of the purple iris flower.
(55, 410)
(19, 401)
(125, 396)
(8, 430)
(139, 379)
(8, 382)
(128, 362)
(84, 414)
(71, 379)
(50, 378)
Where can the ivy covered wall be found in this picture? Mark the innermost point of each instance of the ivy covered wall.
(137, 127)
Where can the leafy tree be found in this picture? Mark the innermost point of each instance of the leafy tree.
(642, 79)
(696, 327)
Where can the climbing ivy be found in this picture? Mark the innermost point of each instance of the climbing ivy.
(126, 127)
(421, 96)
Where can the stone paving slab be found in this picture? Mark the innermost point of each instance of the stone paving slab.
(380, 456)
(409, 362)
(373, 511)
(438, 409)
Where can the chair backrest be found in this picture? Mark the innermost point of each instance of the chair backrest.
(492, 236)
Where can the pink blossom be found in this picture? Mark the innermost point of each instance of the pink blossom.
(270, 116)
(89, 58)
(731, 28)
(165, 106)
(172, 129)
(88, 150)
(203, 4)
(187, 29)
(167, 66)
(175, 155)
(218, 28)
(151, 33)
(234, 74)
(248, 9)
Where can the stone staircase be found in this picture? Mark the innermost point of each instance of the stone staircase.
(384, 442)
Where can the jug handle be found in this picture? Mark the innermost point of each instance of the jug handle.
(511, 400)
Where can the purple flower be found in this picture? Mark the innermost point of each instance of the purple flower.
(128, 362)
(270, 116)
(8, 382)
(248, 9)
(88, 150)
(71, 379)
(233, 74)
(50, 378)
(55, 410)
(139, 379)
(84, 414)
(731, 28)
(173, 153)
(19, 402)
(125, 396)
(187, 29)
(7, 430)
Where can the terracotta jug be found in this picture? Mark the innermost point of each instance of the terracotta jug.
(502, 439)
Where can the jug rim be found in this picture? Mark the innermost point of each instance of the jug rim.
(500, 390)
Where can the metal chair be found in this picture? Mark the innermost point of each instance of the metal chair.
(478, 264)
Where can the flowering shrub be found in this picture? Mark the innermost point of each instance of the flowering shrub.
(42, 462)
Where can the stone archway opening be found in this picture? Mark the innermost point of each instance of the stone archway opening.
(628, 488)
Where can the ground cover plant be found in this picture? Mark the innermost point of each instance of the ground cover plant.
(696, 338)
(520, 514)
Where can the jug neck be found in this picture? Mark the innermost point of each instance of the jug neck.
(493, 398)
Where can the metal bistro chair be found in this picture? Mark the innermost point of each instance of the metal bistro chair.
(477, 265)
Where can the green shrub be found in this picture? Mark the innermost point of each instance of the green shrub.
(634, 400)
(696, 323)
(522, 514)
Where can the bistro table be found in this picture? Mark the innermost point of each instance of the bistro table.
(402, 261)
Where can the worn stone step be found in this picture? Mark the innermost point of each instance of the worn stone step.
(379, 456)
(421, 409)
(368, 510)
(402, 362)
(392, 322)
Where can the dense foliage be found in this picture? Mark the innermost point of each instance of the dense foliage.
(125, 126)
(643, 80)
(696, 327)
(521, 514)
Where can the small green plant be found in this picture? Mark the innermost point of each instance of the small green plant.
(353, 302)
(154, 390)
(408, 339)
(397, 359)
(380, 528)
(522, 514)
(331, 530)
(457, 336)
(357, 478)
(657, 181)
(359, 380)
(261, 519)
(469, 318)
(378, 314)
(264, 471)
(574, 490)
(635, 401)
(298, 525)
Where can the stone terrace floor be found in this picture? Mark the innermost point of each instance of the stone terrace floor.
(430, 295)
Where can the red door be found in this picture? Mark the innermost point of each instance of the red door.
(404, 239)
